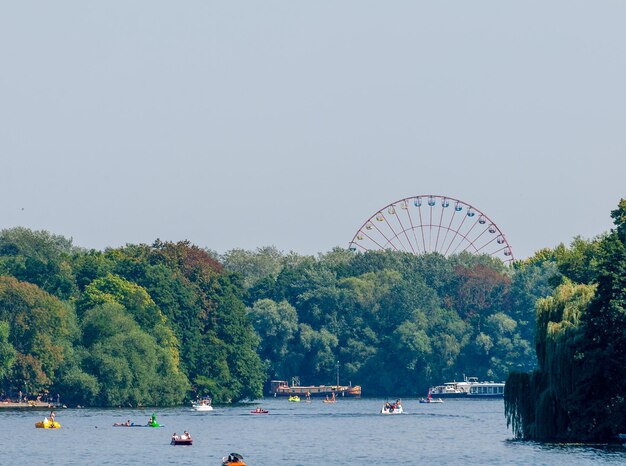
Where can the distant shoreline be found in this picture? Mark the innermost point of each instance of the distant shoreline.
(29, 405)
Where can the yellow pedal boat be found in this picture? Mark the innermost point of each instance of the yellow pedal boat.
(46, 424)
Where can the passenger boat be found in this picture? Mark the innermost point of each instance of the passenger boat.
(234, 459)
(282, 388)
(469, 388)
(202, 405)
(486, 390)
(47, 424)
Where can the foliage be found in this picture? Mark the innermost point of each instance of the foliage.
(42, 331)
(38, 257)
(577, 394)
(7, 352)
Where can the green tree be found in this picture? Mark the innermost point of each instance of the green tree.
(38, 257)
(277, 325)
(131, 368)
(7, 352)
(42, 330)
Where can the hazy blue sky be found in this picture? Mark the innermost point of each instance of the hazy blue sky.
(288, 123)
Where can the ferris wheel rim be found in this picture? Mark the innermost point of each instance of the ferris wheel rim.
(505, 245)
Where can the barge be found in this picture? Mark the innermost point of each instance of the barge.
(282, 388)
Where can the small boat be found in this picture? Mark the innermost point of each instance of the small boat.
(202, 405)
(430, 399)
(392, 408)
(234, 459)
(330, 401)
(181, 441)
(295, 399)
(259, 411)
(47, 424)
(184, 439)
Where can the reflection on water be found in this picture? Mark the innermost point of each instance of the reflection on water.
(349, 432)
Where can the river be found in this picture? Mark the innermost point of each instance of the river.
(349, 432)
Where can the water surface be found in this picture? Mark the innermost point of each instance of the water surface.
(349, 432)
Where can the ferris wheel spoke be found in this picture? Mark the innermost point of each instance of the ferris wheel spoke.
(486, 244)
(360, 246)
(419, 208)
(456, 233)
(408, 212)
(439, 229)
(404, 231)
(381, 232)
(395, 234)
(374, 241)
(448, 230)
(471, 243)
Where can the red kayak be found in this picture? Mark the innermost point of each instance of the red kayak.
(259, 411)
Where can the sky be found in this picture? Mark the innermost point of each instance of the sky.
(242, 124)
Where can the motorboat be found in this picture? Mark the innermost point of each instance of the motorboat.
(47, 424)
(234, 459)
(202, 405)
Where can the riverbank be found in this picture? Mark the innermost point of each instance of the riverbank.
(30, 405)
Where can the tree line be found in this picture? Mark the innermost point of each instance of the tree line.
(157, 324)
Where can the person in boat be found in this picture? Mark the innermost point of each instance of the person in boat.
(122, 424)
(234, 458)
(327, 398)
(186, 435)
(52, 415)
(174, 437)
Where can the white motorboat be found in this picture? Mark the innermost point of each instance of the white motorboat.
(202, 405)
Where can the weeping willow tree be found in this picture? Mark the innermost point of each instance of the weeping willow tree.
(536, 403)
(578, 393)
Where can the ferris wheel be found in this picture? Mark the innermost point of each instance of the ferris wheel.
(432, 223)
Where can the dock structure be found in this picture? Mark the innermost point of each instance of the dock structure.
(31, 404)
